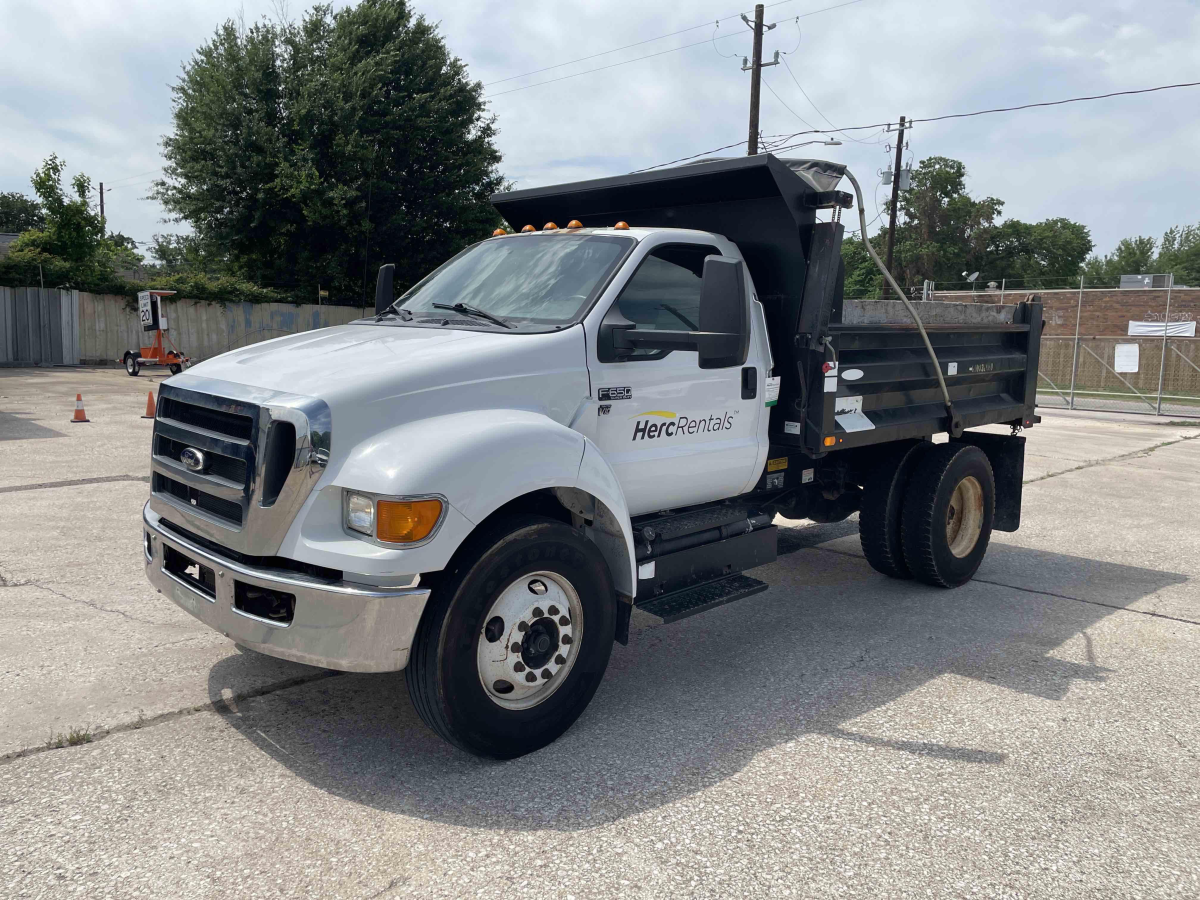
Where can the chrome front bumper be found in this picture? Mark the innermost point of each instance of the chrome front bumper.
(338, 626)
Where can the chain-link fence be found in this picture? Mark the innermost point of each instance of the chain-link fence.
(1137, 356)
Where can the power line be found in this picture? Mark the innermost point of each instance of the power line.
(138, 175)
(814, 106)
(641, 43)
(785, 106)
(981, 112)
(649, 55)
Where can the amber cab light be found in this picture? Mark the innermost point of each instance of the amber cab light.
(622, 226)
(498, 232)
(406, 521)
(527, 229)
(574, 223)
(549, 226)
(830, 441)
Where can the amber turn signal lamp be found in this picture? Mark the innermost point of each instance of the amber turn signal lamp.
(622, 226)
(528, 228)
(498, 232)
(406, 521)
(549, 226)
(574, 223)
(830, 441)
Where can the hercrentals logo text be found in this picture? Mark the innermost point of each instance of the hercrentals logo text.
(677, 425)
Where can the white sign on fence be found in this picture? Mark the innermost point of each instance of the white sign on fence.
(1155, 329)
(1126, 358)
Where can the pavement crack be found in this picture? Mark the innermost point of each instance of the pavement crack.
(391, 886)
(1015, 587)
(73, 482)
(89, 603)
(222, 706)
(1145, 451)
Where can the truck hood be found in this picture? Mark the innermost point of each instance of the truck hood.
(374, 376)
(329, 359)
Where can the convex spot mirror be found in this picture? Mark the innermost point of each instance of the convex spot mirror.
(724, 336)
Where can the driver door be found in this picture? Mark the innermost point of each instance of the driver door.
(675, 434)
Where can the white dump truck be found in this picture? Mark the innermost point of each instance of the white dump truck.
(479, 483)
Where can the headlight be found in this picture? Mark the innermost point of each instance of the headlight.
(392, 520)
(360, 513)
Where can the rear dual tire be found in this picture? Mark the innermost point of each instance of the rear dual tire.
(928, 513)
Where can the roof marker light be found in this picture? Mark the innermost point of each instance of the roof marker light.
(549, 226)
(527, 229)
(574, 223)
(621, 226)
(498, 232)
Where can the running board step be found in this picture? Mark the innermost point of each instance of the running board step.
(689, 601)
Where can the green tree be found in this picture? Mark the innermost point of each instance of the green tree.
(316, 151)
(74, 230)
(944, 231)
(19, 213)
(1132, 256)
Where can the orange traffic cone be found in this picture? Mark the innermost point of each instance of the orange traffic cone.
(80, 415)
(149, 405)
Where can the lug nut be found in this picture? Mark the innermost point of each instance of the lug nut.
(519, 667)
(516, 648)
(537, 612)
(563, 620)
(546, 673)
(566, 639)
(530, 677)
(522, 627)
(560, 659)
(552, 611)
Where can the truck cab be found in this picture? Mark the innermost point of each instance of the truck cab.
(478, 483)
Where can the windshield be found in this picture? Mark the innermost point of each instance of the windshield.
(534, 280)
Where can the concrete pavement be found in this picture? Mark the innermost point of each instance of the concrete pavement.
(1031, 734)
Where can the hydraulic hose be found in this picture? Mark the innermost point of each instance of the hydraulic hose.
(955, 424)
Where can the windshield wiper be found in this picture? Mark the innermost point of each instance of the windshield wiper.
(471, 311)
(404, 314)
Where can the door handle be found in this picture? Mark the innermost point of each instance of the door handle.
(749, 383)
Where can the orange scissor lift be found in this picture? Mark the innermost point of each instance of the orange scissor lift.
(154, 318)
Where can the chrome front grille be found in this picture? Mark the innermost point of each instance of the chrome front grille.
(255, 456)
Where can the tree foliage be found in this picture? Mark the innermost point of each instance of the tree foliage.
(315, 151)
(943, 231)
(20, 213)
(1178, 254)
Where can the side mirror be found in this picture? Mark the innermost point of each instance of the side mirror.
(723, 340)
(724, 310)
(383, 287)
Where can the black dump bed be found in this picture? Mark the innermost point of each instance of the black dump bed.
(852, 373)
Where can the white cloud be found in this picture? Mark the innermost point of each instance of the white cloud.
(101, 99)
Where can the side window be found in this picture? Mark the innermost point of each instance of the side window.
(664, 293)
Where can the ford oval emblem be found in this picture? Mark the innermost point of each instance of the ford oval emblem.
(193, 459)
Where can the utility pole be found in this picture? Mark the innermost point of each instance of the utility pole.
(755, 68)
(102, 201)
(891, 241)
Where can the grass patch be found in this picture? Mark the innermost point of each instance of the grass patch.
(74, 736)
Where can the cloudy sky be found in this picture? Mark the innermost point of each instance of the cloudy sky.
(90, 79)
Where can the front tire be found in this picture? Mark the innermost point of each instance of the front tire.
(132, 367)
(948, 512)
(515, 638)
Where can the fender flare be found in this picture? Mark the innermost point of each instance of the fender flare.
(479, 461)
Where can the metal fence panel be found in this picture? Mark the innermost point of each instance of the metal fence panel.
(1121, 373)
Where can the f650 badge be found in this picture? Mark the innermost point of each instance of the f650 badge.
(617, 393)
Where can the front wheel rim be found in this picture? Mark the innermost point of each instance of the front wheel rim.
(964, 517)
(529, 640)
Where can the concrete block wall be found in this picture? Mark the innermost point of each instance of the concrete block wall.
(108, 327)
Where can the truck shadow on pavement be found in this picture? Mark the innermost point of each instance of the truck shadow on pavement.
(819, 658)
